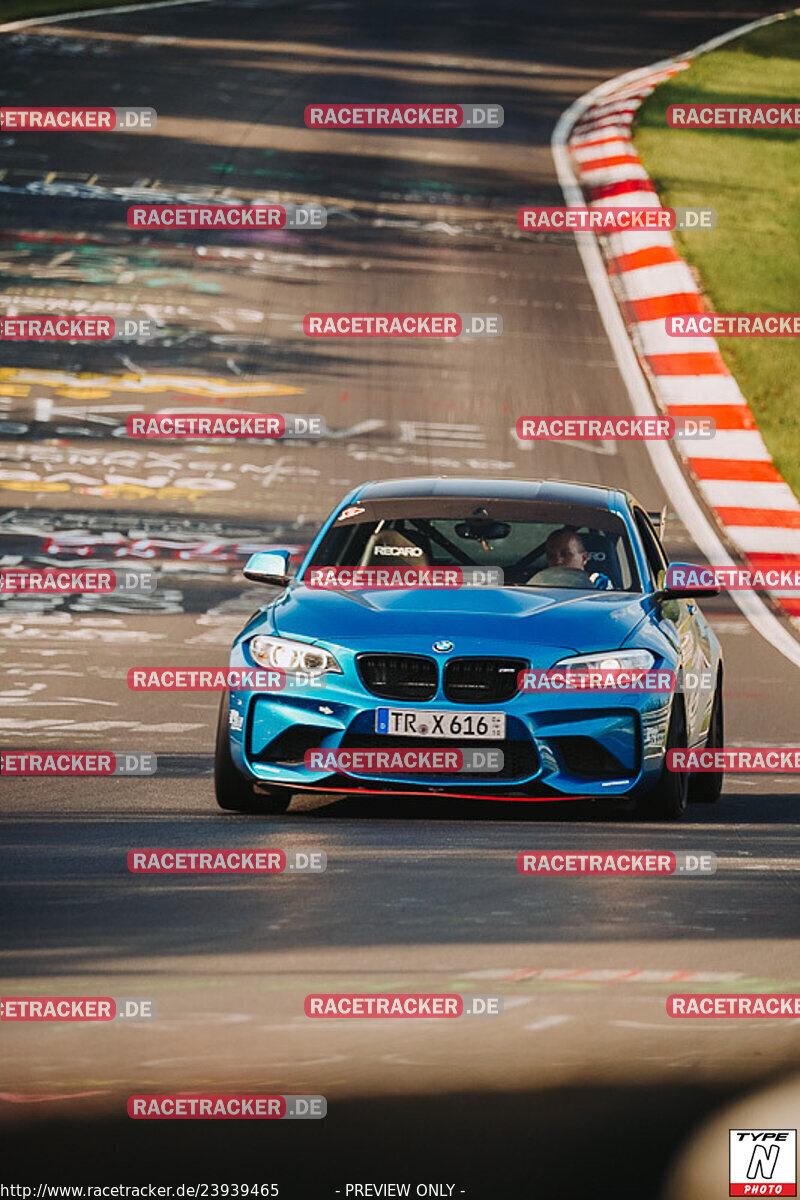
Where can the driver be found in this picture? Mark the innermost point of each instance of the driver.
(565, 548)
(567, 557)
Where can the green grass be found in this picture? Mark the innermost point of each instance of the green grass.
(751, 261)
(18, 10)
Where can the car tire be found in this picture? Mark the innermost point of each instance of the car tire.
(234, 792)
(667, 800)
(706, 788)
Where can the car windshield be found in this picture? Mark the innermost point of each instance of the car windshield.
(535, 544)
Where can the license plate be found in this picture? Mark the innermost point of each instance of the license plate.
(411, 722)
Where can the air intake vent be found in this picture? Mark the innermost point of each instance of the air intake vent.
(399, 676)
(482, 680)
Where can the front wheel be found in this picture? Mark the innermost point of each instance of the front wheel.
(234, 792)
(667, 800)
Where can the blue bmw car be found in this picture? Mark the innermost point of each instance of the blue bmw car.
(583, 588)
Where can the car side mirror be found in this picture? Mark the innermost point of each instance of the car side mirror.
(268, 567)
(686, 581)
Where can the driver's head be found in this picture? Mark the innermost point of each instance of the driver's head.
(564, 548)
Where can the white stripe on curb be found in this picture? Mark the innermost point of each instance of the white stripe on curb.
(599, 176)
(652, 338)
(667, 279)
(596, 141)
(730, 493)
(744, 444)
(703, 389)
(611, 149)
(766, 539)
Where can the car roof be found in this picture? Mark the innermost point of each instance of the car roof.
(555, 490)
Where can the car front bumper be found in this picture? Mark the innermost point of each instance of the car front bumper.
(557, 745)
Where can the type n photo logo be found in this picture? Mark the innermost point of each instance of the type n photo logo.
(763, 1162)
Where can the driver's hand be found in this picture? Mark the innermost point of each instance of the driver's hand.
(601, 582)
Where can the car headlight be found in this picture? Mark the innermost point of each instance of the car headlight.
(285, 655)
(610, 660)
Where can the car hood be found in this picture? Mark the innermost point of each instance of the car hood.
(580, 621)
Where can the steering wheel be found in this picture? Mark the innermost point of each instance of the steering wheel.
(566, 577)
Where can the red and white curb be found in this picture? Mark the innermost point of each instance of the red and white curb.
(734, 473)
